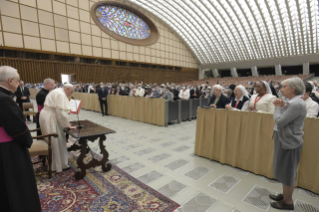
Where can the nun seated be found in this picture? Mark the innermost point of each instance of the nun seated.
(263, 100)
(241, 99)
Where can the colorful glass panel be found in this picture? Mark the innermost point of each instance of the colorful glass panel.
(123, 22)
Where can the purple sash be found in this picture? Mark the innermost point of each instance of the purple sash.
(40, 107)
(4, 137)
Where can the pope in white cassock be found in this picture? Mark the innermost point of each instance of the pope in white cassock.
(53, 119)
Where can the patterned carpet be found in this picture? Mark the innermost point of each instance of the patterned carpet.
(98, 191)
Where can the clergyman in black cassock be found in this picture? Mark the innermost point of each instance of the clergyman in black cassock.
(40, 102)
(18, 189)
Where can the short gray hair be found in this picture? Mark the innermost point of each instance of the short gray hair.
(7, 72)
(296, 83)
(218, 87)
(47, 80)
(229, 92)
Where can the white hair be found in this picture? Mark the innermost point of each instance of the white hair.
(296, 83)
(7, 72)
(218, 87)
(47, 80)
(243, 90)
(67, 85)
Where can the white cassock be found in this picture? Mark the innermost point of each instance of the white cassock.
(53, 119)
(264, 104)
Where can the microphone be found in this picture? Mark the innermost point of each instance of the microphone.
(79, 125)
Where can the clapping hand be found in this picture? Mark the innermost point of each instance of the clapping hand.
(278, 103)
(212, 105)
(228, 107)
(252, 109)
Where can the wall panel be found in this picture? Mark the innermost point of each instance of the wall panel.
(35, 71)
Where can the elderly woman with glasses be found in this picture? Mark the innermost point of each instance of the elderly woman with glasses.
(289, 119)
(262, 101)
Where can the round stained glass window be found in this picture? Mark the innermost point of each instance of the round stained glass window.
(124, 23)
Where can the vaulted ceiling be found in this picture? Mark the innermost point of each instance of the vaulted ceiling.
(222, 31)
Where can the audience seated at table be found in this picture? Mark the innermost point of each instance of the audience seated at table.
(260, 91)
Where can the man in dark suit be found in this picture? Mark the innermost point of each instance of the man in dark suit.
(175, 92)
(102, 93)
(218, 100)
(22, 95)
(126, 91)
(194, 93)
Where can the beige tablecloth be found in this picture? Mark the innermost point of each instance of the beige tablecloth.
(243, 140)
(138, 109)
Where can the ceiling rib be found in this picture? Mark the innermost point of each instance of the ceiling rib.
(240, 30)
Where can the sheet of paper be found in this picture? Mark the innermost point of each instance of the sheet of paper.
(75, 104)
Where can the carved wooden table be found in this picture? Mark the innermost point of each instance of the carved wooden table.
(90, 132)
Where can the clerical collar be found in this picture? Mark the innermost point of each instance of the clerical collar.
(5, 88)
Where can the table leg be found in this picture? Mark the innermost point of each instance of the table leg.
(81, 174)
(94, 162)
(105, 157)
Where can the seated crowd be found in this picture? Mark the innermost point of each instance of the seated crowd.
(254, 94)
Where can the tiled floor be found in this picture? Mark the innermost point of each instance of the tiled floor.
(162, 157)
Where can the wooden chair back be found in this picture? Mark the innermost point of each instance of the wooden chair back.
(46, 149)
(27, 105)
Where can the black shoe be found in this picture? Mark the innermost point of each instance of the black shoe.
(29, 120)
(102, 114)
(281, 205)
(67, 168)
(277, 198)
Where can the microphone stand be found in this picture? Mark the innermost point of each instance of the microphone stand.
(79, 125)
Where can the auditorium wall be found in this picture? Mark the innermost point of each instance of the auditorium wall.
(66, 27)
(35, 71)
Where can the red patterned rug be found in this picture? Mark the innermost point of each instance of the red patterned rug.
(98, 191)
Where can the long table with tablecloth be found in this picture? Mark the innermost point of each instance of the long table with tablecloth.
(244, 140)
(148, 110)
